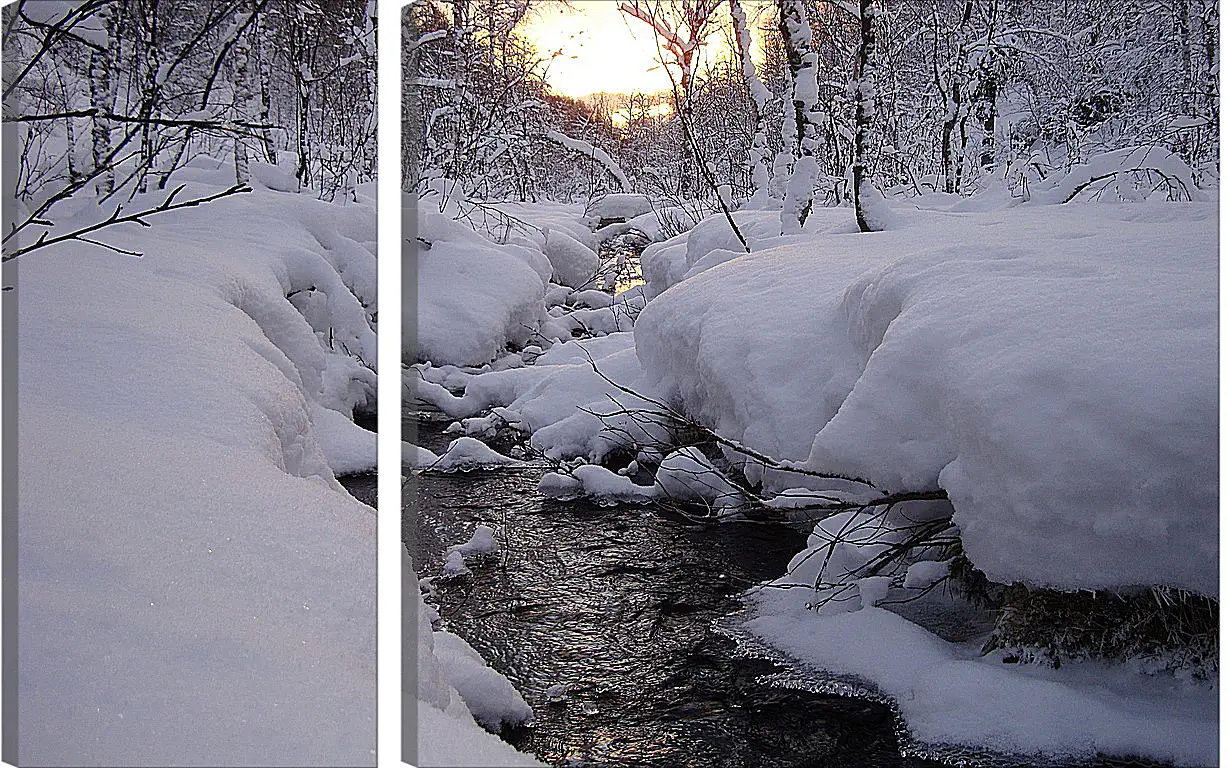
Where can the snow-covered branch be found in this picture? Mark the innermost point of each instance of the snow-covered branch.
(596, 153)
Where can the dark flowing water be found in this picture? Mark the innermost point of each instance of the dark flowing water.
(617, 604)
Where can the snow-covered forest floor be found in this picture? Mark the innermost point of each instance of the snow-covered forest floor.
(1041, 377)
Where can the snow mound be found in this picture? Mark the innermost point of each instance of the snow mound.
(467, 453)
(474, 297)
(687, 475)
(1053, 369)
(482, 542)
(531, 222)
(574, 264)
(599, 483)
(712, 242)
(570, 409)
(617, 206)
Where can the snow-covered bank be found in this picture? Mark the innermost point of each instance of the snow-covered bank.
(194, 583)
(455, 690)
(949, 695)
(1053, 369)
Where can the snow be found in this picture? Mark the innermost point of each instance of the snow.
(447, 738)
(573, 263)
(925, 573)
(598, 483)
(557, 399)
(688, 475)
(657, 225)
(1053, 369)
(482, 542)
(533, 220)
(948, 695)
(347, 447)
(467, 453)
(712, 242)
(474, 297)
(491, 699)
(450, 690)
(189, 568)
(454, 565)
(799, 192)
(1111, 164)
(416, 457)
(617, 206)
(599, 155)
(88, 27)
(592, 299)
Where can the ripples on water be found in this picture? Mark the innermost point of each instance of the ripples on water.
(618, 605)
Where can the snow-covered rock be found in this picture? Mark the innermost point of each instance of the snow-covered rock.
(466, 453)
(482, 542)
(574, 264)
(598, 483)
(617, 206)
(687, 475)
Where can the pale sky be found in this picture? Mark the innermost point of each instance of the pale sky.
(610, 54)
(613, 52)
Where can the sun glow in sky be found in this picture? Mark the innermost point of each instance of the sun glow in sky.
(604, 50)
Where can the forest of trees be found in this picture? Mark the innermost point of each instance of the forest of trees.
(110, 97)
(911, 96)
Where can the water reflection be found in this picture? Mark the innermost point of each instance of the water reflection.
(603, 619)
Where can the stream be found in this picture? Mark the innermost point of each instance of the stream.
(615, 625)
(617, 605)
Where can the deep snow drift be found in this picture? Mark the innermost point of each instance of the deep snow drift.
(1051, 368)
(194, 582)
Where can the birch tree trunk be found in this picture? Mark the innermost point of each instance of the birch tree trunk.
(149, 94)
(799, 126)
(264, 67)
(242, 106)
(952, 157)
(863, 112)
(759, 159)
(102, 100)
